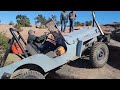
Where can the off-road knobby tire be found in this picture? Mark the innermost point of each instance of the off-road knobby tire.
(26, 74)
(93, 54)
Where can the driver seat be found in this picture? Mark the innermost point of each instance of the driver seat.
(32, 50)
(34, 46)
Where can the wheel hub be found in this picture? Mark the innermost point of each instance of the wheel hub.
(100, 55)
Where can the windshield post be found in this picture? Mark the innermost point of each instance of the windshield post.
(97, 24)
(93, 19)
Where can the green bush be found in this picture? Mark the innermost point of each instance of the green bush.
(22, 21)
(17, 26)
(3, 43)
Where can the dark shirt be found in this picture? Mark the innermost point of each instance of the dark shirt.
(72, 15)
(33, 38)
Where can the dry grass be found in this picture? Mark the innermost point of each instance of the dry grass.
(12, 58)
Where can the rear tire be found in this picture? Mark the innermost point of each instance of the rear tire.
(99, 55)
(26, 74)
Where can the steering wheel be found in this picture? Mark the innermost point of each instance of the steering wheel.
(45, 38)
(46, 34)
(51, 38)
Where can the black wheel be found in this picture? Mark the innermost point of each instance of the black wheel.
(99, 54)
(26, 74)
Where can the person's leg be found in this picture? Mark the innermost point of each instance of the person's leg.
(49, 45)
(72, 25)
(62, 25)
(44, 47)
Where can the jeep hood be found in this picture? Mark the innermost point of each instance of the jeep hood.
(82, 34)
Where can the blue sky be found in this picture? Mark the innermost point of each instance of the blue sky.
(103, 17)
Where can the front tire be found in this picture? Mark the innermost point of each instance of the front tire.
(99, 55)
(26, 74)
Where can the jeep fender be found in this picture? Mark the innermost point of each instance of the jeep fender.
(41, 60)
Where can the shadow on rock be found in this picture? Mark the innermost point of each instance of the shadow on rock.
(81, 63)
(116, 35)
(114, 57)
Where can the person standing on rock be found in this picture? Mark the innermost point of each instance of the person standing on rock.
(72, 17)
(63, 20)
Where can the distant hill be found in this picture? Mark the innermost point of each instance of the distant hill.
(4, 28)
(110, 27)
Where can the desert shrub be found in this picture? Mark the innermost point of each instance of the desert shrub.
(17, 26)
(3, 43)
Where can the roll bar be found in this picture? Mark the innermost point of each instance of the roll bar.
(17, 39)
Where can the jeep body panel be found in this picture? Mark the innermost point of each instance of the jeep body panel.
(82, 34)
(45, 62)
(74, 51)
